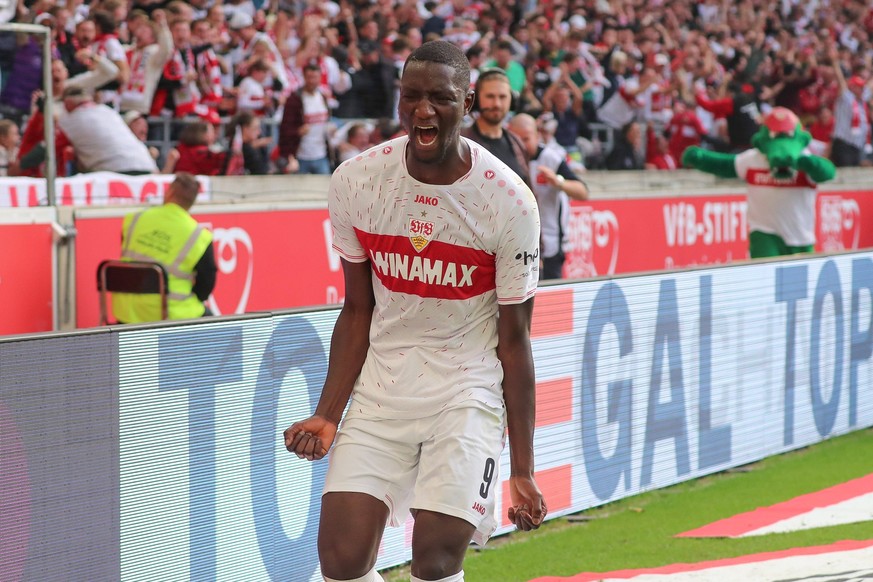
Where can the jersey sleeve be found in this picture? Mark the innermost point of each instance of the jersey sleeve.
(339, 203)
(744, 161)
(518, 253)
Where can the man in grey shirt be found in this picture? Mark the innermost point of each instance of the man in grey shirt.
(101, 140)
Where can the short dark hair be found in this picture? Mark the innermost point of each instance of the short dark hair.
(104, 20)
(503, 45)
(474, 51)
(185, 188)
(194, 133)
(443, 52)
(259, 65)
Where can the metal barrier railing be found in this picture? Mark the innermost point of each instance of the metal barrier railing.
(163, 132)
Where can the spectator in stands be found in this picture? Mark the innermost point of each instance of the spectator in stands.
(851, 122)
(334, 80)
(223, 41)
(169, 235)
(139, 125)
(284, 32)
(503, 58)
(59, 18)
(626, 102)
(795, 70)
(178, 91)
(246, 38)
(553, 184)
(100, 138)
(83, 37)
(196, 152)
(106, 44)
(210, 66)
(357, 139)
(373, 84)
(305, 132)
(822, 131)
(627, 152)
(658, 156)
(476, 56)
(685, 130)
(10, 139)
(658, 98)
(32, 151)
(153, 47)
(563, 99)
(179, 10)
(252, 94)
(493, 99)
(245, 128)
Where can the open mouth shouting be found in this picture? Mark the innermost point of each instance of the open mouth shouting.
(426, 135)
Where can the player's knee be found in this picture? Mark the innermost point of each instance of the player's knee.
(437, 561)
(341, 560)
(371, 576)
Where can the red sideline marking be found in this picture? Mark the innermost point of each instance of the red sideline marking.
(764, 516)
(554, 401)
(555, 485)
(843, 546)
(552, 314)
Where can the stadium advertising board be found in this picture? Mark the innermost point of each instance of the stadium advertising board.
(59, 458)
(156, 454)
(608, 237)
(95, 188)
(279, 259)
(26, 270)
(642, 382)
(267, 259)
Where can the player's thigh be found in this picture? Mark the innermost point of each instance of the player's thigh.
(349, 533)
(378, 457)
(458, 468)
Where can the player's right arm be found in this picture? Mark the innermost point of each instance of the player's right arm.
(311, 438)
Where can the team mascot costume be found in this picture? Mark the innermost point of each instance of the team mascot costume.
(782, 176)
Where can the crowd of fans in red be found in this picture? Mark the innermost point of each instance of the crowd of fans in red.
(659, 74)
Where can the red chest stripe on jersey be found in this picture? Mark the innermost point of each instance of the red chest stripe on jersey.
(440, 271)
(760, 177)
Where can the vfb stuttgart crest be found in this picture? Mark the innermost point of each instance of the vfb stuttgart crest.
(420, 233)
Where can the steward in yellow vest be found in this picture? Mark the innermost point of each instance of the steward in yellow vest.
(169, 235)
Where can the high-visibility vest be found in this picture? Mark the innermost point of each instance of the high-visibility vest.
(168, 235)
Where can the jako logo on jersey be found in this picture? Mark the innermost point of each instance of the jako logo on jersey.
(429, 200)
(387, 150)
(489, 174)
(528, 258)
(420, 233)
(423, 270)
(479, 507)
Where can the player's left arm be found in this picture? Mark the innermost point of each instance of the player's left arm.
(816, 167)
(528, 507)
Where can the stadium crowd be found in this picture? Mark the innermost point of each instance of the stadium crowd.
(655, 75)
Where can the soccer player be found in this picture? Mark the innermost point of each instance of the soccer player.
(439, 246)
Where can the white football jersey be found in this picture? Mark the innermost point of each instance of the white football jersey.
(443, 257)
(780, 206)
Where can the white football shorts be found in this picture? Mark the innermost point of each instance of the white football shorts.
(446, 463)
